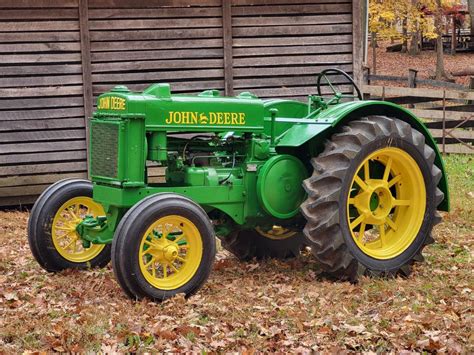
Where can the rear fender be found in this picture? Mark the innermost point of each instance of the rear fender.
(330, 120)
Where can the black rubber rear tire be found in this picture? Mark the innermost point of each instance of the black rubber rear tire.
(249, 244)
(40, 224)
(328, 188)
(130, 231)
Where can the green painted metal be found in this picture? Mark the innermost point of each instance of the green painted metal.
(279, 188)
(248, 172)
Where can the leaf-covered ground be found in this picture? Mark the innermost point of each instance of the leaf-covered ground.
(267, 306)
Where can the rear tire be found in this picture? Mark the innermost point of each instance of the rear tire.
(164, 245)
(380, 223)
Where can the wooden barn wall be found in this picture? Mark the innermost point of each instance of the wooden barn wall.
(57, 56)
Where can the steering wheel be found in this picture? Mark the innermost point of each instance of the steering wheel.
(324, 73)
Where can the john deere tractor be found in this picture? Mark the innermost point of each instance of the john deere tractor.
(359, 182)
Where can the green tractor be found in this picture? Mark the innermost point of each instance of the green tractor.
(359, 182)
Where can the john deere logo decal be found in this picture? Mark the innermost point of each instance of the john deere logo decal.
(213, 118)
(111, 103)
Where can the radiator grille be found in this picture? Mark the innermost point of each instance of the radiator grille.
(104, 149)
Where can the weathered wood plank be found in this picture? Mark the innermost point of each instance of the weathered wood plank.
(287, 50)
(109, 57)
(288, 70)
(51, 123)
(34, 81)
(40, 58)
(59, 36)
(42, 102)
(38, 14)
(293, 60)
(176, 86)
(40, 114)
(37, 3)
(462, 134)
(40, 47)
(358, 41)
(18, 201)
(162, 34)
(293, 41)
(456, 149)
(417, 92)
(157, 76)
(43, 157)
(42, 146)
(159, 44)
(40, 69)
(15, 26)
(43, 92)
(156, 64)
(291, 20)
(155, 24)
(43, 168)
(160, 12)
(284, 2)
(438, 115)
(450, 124)
(38, 179)
(292, 91)
(293, 9)
(151, 3)
(276, 31)
(31, 136)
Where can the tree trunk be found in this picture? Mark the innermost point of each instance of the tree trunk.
(470, 5)
(405, 35)
(440, 72)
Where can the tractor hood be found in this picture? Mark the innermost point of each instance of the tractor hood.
(206, 112)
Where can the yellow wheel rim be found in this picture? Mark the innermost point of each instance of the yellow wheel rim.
(386, 203)
(170, 252)
(276, 232)
(66, 240)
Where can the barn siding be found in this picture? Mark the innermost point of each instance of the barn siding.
(56, 58)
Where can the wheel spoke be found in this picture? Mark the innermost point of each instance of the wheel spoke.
(71, 212)
(179, 238)
(66, 229)
(388, 167)
(402, 202)
(351, 201)
(391, 223)
(394, 181)
(165, 271)
(183, 260)
(366, 170)
(153, 271)
(173, 267)
(361, 183)
(357, 221)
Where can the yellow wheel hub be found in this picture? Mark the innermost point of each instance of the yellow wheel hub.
(170, 252)
(385, 211)
(276, 232)
(66, 240)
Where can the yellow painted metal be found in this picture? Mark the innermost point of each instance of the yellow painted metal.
(390, 208)
(276, 232)
(170, 252)
(66, 240)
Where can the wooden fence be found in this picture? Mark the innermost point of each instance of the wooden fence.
(56, 56)
(448, 114)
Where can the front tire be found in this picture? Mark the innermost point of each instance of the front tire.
(164, 245)
(52, 237)
(372, 199)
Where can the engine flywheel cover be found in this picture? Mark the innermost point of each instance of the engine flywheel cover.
(279, 186)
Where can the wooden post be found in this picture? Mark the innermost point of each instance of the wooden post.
(357, 42)
(86, 67)
(412, 74)
(471, 88)
(228, 55)
(444, 122)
